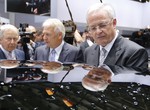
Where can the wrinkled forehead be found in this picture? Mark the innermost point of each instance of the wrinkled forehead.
(51, 27)
(100, 16)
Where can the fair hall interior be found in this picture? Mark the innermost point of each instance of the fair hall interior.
(122, 83)
(131, 15)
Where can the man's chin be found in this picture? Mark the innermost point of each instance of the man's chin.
(11, 49)
(102, 44)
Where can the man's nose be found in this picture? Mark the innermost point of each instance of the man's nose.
(98, 29)
(44, 37)
(12, 40)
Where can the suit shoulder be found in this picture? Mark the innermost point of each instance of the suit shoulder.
(129, 43)
(19, 51)
(83, 43)
(69, 46)
(93, 47)
(41, 47)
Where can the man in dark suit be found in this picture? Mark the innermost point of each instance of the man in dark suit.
(9, 36)
(116, 50)
(53, 35)
(88, 40)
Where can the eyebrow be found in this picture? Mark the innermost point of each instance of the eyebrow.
(102, 22)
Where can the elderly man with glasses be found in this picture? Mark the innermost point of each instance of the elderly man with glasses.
(110, 47)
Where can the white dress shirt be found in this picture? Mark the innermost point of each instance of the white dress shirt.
(58, 51)
(8, 54)
(107, 48)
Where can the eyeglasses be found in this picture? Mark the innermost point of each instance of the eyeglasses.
(100, 26)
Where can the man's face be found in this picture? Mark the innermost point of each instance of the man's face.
(51, 38)
(101, 27)
(38, 38)
(9, 40)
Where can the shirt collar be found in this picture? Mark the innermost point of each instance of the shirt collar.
(7, 52)
(59, 48)
(109, 45)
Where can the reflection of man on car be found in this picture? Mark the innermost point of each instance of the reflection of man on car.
(97, 79)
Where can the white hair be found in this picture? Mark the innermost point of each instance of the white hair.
(102, 7)
(56, 24)
(7, 27)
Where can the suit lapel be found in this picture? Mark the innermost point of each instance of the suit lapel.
(95, 55)
(46, 53)
(16, 54)
(2, 55)
(115, 52)
(86, 44)
(64, 52)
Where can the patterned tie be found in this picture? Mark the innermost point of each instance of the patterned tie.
(102, 56)
(52, 55)
(10, 57)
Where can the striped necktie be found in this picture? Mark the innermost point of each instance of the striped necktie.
(52, 55)
(9, 56)
(102, 56)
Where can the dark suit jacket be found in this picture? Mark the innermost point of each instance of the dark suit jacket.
(18, 53)
(69, 53)
(84, 45)
(124, 52)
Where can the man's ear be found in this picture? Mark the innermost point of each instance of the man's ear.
(0, 40)
(19, 37)
(114, 22)
(60, 35)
